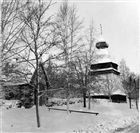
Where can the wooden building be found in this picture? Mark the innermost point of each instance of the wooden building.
(106, 69)
(24, 89)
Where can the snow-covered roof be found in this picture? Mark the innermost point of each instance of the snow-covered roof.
(103, 55)
(96, 94)
(119, 92)
(14, 84)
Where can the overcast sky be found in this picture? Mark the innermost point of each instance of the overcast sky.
(120, 24)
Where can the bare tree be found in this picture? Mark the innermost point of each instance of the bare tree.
(126, 78)
(130, 82)
(131, 87)
(82, 74)
(37, 38)
(84, 59)
(128, 85)
(91, 38)
(67, 28)
(84, 79)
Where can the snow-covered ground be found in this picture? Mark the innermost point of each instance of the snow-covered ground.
(112, 116)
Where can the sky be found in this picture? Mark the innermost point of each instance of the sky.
(120, 26)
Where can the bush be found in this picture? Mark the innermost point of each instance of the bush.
(19, 104)
(27, 102)
(28, 105)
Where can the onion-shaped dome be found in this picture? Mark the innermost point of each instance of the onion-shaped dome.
(101, 43)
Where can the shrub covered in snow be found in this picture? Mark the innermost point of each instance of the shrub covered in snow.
(60, 102)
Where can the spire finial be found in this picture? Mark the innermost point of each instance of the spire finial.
(101, 28)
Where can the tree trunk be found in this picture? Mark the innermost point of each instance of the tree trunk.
(67, 101)
(129, 94)
(37, 110)
(40, 99)
(136, 95)
(35, 96)
(136, 102)
(89, 101)
(110, 98)
(85, 87)
(84, 97)
(130, 101)
(37, 89)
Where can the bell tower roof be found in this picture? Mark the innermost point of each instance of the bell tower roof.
(104, 63)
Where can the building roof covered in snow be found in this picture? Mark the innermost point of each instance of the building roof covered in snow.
(105, 61)
(102, 51)
(118, 92)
